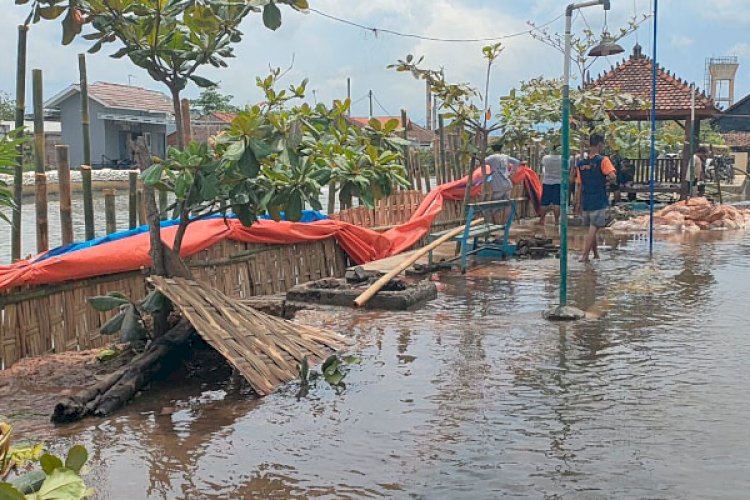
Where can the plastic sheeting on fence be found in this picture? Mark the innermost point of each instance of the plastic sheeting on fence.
(132, 253)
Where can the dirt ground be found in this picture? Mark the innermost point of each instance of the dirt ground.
(31, 387)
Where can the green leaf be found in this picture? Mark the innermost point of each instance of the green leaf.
(50, 463)
(154, 301)
(260, 148)
(62, 484)
(152, 175)
(104, 303)
(70, 28)
(334, 378)
(271, 16)
(131, 330)
(8, 492)
(114, 324)
(331, 363)
(51, 12)
(304, 370)
(352, 359)
(248, 164)
(77, 457)
(294, 207)
(202, 82)
(107, 354)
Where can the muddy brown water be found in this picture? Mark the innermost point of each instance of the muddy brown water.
(476, 396)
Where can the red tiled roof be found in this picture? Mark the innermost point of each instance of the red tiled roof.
(673, 95)
(413, 131)
(118, 96)
(737, 140)
(220, 116)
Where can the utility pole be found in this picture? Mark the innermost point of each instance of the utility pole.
(369, 94)
(434, 112)
(349, 94)
(428, 121)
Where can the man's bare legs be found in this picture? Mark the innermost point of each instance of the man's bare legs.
(590, 245)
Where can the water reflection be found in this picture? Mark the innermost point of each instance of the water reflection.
(476, 394)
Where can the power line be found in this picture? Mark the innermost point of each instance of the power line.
(388, 113)
(375, 31)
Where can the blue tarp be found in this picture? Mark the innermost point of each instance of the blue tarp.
(307, 217)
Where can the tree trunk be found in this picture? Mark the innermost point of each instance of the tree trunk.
(178, 118)
(107, 396)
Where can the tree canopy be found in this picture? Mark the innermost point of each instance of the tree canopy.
(211, 100)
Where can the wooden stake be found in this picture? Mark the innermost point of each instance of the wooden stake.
(187, 128)
(408, 261)
(442, 166)
(109, 211)
(85, 119)
(132, 200)
(141, 202)
(407, 164)
(42, 225)
(18, 170)
(331, 197)
(63, 182)
(88, 202)
(40, 181)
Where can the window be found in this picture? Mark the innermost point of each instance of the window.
(147, 139)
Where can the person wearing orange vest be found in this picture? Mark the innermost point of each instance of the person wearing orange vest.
(594, 173)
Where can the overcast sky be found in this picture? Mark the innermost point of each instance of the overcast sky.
(327, 52)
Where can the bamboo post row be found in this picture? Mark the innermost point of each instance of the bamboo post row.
(132, 199)
(110, 216)
(85, 118)
(88, 202)
(365, 296)
(40, 180)
(19, 123)
(63, 182)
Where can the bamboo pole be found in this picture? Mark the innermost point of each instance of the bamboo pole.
(187, 128)
(109, 211)
(85, 118)
(163, 205)
(63, 182)
(442, 165)
(18, 170)
(40, 180)
(331, 197)
(132, 199)
(407, 164)
(42, 223)
(365, 296)
(141, 202)
(88, 202)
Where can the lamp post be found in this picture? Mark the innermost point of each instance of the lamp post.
(605, 48)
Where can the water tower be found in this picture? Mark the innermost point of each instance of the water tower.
(720, 77)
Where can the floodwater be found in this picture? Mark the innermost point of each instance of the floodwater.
(476, 396)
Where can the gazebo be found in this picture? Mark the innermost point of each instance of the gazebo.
(673, 102)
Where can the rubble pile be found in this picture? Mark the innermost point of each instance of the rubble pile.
(696, 214)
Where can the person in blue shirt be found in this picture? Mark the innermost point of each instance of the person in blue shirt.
(593, 174)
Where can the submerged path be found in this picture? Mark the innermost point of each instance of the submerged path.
(476, 396)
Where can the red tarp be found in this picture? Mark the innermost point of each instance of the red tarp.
(128, 254)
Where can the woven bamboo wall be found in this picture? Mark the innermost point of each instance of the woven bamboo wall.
(57, 318)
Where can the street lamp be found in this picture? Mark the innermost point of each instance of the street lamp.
(605, 48)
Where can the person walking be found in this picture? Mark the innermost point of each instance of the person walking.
(500, 183)
(551, 179)
(594, 173)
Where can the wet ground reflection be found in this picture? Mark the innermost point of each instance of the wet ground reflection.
(476, 394)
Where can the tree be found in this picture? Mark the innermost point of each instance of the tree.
(583, 43)
(172, 40)
(7, 107)
(8, 160)
(457, 101)
(212, 100)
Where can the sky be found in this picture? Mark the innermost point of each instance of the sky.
(327, 52)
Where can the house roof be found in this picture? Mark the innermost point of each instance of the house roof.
(218, 116)
(673, 94)
(737, 105)
(413, 131)
(114, 95)
(737, 140)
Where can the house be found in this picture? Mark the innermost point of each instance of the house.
(118, 114)
(52, 137)
(206, 126)
(734, 126)
(419, 136)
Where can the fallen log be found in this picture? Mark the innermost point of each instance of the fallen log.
(160, 358)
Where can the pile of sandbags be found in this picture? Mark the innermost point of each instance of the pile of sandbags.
(696, 214)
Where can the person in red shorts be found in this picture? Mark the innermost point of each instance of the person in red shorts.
(594, 173)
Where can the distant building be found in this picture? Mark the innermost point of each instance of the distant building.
(734, 125)
(119, 114)
(52, 137)
(206, 126)
(419, 136)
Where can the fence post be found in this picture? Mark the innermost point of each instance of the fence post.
(88, 202)
(63, 182)
(331, 198)
(141, 202)
(132, 199)
(442, 165)
(42, 224)
(18, 170)
(109, 211)
(40, 180)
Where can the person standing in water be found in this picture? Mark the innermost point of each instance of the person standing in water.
(552, 177)
(500, 184)
(594, 173)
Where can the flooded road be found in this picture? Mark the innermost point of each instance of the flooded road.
(476, 396)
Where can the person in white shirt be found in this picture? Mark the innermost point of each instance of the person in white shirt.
(551, 179)
(501, 186)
